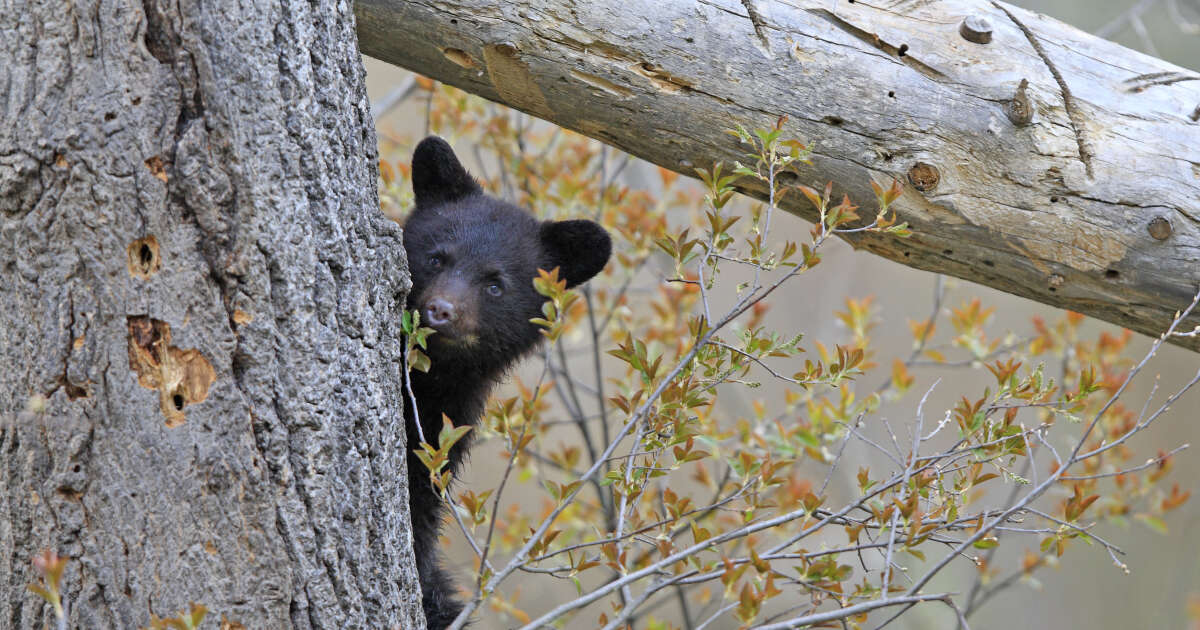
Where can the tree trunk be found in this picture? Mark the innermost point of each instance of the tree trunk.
(200, 303)
(1080, 191)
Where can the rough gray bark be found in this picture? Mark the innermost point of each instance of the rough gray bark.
(1092, 205)
(197, 280)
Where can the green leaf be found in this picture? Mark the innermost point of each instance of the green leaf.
(450, 433)
(41, 591)
(1153, 522)
(987, 542)
(418, 360)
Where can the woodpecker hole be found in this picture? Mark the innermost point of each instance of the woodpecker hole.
(143, 257)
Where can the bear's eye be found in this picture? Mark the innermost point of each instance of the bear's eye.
(436, 261)
(495, 290)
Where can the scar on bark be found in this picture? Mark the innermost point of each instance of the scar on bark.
(661, 79)
(459, 57)
(181, 377)
(1073, 113)
(513, 79)
(602, 84)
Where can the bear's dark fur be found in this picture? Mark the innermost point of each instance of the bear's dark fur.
(473, 259)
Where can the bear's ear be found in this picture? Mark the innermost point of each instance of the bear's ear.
(437, 175)
(579, 249)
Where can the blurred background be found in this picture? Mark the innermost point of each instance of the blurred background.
(1087, 591)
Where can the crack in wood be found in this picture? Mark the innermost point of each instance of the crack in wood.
(907, 6)
(760, 26)
(1073, 113)
(1143, 81)
(897, 52)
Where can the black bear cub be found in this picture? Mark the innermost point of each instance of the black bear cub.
(473, 259)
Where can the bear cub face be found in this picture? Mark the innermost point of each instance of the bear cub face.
(473, 259)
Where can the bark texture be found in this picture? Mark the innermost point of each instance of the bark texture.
(197, 285)
(1080, 190)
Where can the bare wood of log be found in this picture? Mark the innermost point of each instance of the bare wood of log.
(1049, 163)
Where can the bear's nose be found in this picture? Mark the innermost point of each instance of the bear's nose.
(439, 312)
